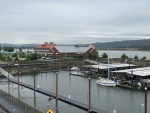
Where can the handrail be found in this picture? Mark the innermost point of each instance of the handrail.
(5, 73)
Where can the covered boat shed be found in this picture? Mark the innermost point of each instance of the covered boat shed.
(145, 71)
(102, 69)
(141, 75)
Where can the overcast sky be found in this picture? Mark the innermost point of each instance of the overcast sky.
(73, 21)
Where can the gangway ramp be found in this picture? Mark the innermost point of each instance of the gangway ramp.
(5, 73)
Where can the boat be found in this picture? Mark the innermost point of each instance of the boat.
(145, 82)
(106, 81)
(74, 68)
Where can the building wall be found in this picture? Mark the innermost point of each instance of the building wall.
(90, 51)
(54, 53)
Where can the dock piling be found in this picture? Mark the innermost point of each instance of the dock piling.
(56, 85)
(8, 80)
(18, 84)
(34, 86)
(145, 100)
(89, 99)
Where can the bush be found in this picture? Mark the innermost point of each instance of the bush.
(104, 55)
(9, 49)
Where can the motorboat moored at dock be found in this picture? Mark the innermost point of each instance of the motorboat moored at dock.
(74, 68)
(106, 82)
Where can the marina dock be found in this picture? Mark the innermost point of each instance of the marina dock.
(62, 98)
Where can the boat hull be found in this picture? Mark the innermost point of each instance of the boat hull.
(106, 82)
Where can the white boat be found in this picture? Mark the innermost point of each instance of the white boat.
(106, 81)
(145, 81)
(74, 69)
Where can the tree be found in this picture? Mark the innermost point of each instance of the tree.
(104, 55)
(8, 58)
(143, 58)
(92, 56)
(0, 48)
(33, 56)
(136, 57)
(14, 55)
(123, 57)
(9, 49)
(1, 56)
(22, 55)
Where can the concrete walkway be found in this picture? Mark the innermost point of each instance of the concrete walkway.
(10, 106)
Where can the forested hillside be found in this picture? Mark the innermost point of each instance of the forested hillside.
(139, 44)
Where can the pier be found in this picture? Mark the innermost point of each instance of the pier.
(61, 98)
(67, 100)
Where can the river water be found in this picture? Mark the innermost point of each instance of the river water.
(130, 54)
(105, 98)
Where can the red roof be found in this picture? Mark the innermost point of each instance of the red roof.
(46, 45)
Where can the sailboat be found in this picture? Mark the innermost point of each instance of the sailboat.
(106, 81)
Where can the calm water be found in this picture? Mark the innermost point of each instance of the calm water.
(106, 98)
(130, 54)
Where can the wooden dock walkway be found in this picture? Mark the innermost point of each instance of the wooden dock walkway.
(61, 98)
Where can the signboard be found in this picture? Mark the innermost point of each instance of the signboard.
(49, 111)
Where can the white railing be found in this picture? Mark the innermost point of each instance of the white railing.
(5, 73)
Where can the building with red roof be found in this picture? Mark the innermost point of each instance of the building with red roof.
(44, 48)
(61, 52)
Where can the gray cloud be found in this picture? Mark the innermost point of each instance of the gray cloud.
(73, 21)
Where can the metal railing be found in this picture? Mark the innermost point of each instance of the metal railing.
(18, 102)
(5, 73)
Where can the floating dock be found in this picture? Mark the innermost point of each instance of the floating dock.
(62, 98)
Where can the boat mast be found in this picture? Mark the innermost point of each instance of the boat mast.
(108, 65)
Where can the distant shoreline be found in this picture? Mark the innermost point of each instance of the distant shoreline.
(124, 49)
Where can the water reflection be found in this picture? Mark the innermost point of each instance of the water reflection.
(105, 98)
